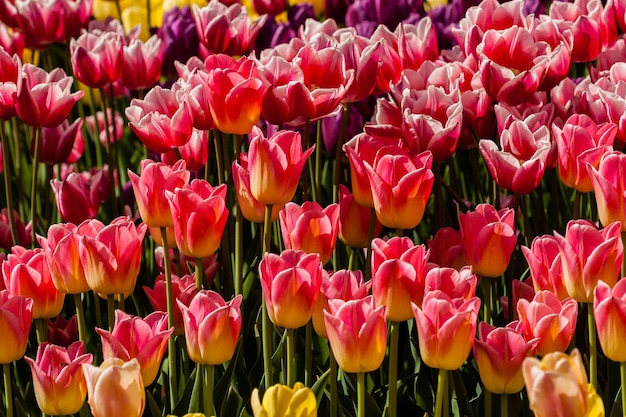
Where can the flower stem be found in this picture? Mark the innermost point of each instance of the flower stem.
(199, 274)
(504, 405)
(266, 324)
(108, 147)
(487, 301)
(345, 117)
(360, 392)
(33, 190)
(8, 394)
(488, 402)
(41, 328)
(6, 166)
(209, 382)
(111, 310)
(80, 317)
(593, 348)
(291, 357)
(308, 354)
(442, 382)
(370, 237)
(622, 374)
(318, 163)
(333, 385)
(171, 345)
(392, 394)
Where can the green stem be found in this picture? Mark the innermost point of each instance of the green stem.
(622, 374)
(318, 162)
(108, 147)
(8, 394)
(332, 382)
(80, 317)
(199, 274)
(351, 258)
(487, 301)
(306, 177)
(370, 237)
(238, 232)
(6, 153)
(360, 393)
(266, 324)
(98, 308)
(345, 118)
(111, 311)
(442, 382)
(576, 209)
(171, 345)
(41, 328)
(291, 357)
(308, 354)
(207, 166)
(488, 403)
(209, 382)
(33, 190)
(593, 348)
(392, 394)
(504, 405)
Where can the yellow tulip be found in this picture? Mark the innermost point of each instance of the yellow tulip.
(280, 400)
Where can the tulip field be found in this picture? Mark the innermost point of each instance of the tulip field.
(344, 208)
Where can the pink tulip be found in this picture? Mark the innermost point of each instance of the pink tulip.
(79, 196)
(200, 214)
(10, 72)
(251, 208)
(111, 256)
(115, 388)
(499, 353)
(456, 284)
(589, 255)
(446, 248)
(291, 284)
(44, 99)
(26, 273)
(609, 309)
(354, 220)
(195, 153)
(357, 332)
(95, 124)
(544, 261)
(57, 142)
(183, 290)
(142, 338)
(609, 182)
(11, 41)
(24, 232)
(550, 320)
(149, 188)
(417, 43)
(97, 58)
(212, 327)
(16, 316)
(58, 380)
(275, 165)
(364, 57)
(446, 329)
(398, 274)
(488, 237)
(310, 229)
(141, 66)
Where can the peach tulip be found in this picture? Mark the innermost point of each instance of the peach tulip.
(16, 316)
(609, 309)
(58, 380)
(446, 329)
(357, 332)
(115, 388)
(212, 327)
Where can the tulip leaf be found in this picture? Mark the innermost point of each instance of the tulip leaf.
(231, 404)
(616, 410)
(320, 385)
(155, 410)
(195, 402)
(183, 401)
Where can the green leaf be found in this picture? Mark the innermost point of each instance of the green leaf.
(155, 410)
(319, 386)
(231, 404)
(195, 402)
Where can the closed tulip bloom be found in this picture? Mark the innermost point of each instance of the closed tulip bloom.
(557, 386)
(550, 320)
(62, 331)
(10, 72)
(499, 353)
(251, 208)
(609, 186)
(446, 329)
(275, 165)
(357, 332)
(456, 284)
(281, 400)
(544, 262)
(417, 43)
(195, 153)
(24, 232)
(16, 316)
(291, 284)
(310, 228)
(57, 142)
(446, 248)
(589, 255)
(115, 388)
(212, 327)
(61, 248)
(26, 273)
(149, 188)
(111, 257)
(354, 220)
(44, 99)
(398, 273)
(609, 308)
(97, 58)
(183, 290)
(58, 379)
(488, 237)
(79, 196)
(401, 184)
(141, 67)
(200, 214)
(142, 338)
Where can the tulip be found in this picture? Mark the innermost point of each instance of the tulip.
(58, 142)
(10, 72)
(401, 184)
(26, 273)
(24, 232)
(417, 43)
(608, 182)
(364, 57)
(79, 196)
(212, 327)
(357, 333)
(111, 256)
(589, 255)
(134, 337)
(291, 284)
(162, 120)
(62, 331)
(180, 38)
(59, 383)
(281, 400)
(195, 153)
(97, 58)
(183, 290)
(446, 329)
(275, 165)
(550, 320)
(456, 284)
(200, 214)
(557, 386)
(398, 273)
(609, 310)
(446, 248)
(44, 99)
(499, 353)
(354, 220)
(251, 208)
(16, 315)
(544, 261)
(150, 187)
(115, 388)
(488, 237)
(141, 66)
(310, 228)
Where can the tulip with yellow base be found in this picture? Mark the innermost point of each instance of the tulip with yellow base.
(281, 400)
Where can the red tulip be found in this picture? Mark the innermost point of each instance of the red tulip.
(16, 315)
(446, 248)
(62, 331)
(79, 196)
(24, 232)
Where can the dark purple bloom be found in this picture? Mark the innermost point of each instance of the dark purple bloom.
(272, 33)
(331, 127)
(180, 39)
(365, 14)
